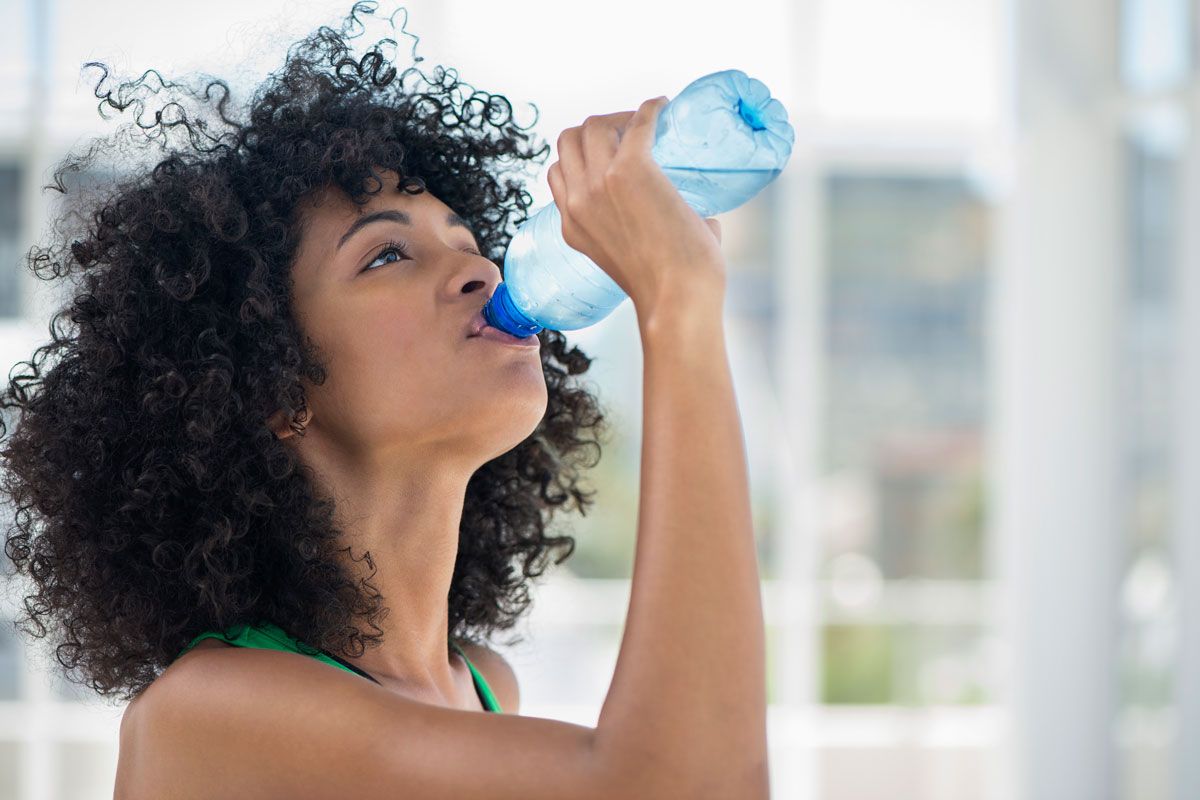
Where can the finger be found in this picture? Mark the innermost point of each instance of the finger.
(599, 146)
(617, 119)
(570, 158)
(554, 178)
(638, 135)
(596, 134)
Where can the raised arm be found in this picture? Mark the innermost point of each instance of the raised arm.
(689, 688)
(689, 693)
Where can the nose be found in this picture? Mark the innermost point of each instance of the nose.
(477, 276)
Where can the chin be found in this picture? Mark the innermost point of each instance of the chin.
(521, 419)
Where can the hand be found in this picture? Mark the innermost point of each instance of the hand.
(619, 208)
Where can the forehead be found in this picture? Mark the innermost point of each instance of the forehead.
(331, 208)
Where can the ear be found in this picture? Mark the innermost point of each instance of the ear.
(279, 425)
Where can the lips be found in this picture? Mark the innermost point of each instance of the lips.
(479, 327)
(497, 335)
(478, 322)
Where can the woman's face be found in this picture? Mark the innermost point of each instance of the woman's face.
(404, 381)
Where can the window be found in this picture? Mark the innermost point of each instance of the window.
(10, 241)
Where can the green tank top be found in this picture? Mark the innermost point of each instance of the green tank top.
(268, 636)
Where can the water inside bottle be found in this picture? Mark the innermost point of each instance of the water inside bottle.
(715, 191)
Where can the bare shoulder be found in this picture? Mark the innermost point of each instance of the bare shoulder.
(227, 705)
(137, 734)
(498, 673)
(223, 722)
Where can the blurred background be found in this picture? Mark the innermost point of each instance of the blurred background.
(964, 326)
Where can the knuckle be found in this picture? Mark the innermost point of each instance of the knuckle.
(564, 138)
(575, 205)
(570, 235)
(616, 175)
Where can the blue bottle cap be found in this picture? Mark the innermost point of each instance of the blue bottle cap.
(752, 114)
(500, 312)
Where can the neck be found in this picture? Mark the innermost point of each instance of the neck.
(401, 523)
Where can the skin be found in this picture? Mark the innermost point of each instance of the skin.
(411, 408)
(685, 715)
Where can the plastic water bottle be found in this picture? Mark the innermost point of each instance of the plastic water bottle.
(719, 141)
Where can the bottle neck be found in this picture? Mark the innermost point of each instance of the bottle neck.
(500, 312)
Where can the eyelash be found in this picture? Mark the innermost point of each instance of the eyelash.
(399, 249)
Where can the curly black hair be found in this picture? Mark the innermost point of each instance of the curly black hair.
(150, 500)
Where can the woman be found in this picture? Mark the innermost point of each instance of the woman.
(275, 414)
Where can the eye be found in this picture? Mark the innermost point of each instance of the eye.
(398, 249)
(391, 248)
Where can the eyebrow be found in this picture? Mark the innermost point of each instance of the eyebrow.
(392, 215)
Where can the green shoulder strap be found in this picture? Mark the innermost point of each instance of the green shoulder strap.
(489, 699)
(268, 636)
(265, 636)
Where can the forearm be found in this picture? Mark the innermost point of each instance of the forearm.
(688, 697)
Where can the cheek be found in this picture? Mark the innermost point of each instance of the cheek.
(371, 340)
(399, 349)
(384, 359)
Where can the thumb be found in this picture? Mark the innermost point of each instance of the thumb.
(715, 226)
(638, 134)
